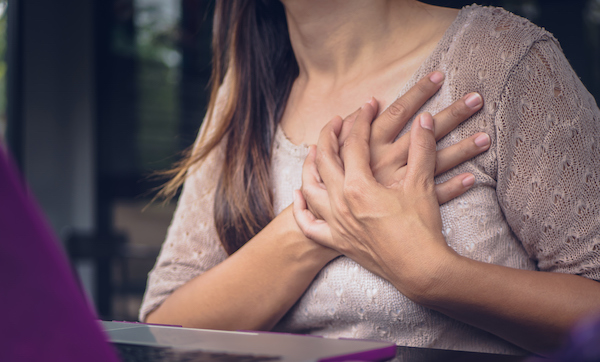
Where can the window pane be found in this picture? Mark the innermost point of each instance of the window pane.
(159, 59)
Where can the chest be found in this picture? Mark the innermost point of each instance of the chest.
(312, 104)
(307, 114)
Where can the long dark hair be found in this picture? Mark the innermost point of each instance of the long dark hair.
(251, 44)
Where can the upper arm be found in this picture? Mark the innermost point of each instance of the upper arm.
(549, 162)
(192, 245)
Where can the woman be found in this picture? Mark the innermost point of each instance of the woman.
(288, 82)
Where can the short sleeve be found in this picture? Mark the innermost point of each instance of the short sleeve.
(548, 134)
(192, 245)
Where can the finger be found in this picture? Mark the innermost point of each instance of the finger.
(314, 191)
(329, 165)
(313, 228)
(387, 126)
(452, 116)
(454, 187)
(465, 150)
(446, 120)
(357, 153)
(421, 153)
(454, 155)
(310, 173)
(349, 123)
(347, 126)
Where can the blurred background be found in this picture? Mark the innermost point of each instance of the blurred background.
(95, 95)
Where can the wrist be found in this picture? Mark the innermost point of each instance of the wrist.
(297, 245)
(429, 276)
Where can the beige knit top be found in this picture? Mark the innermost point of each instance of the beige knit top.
(535, 204)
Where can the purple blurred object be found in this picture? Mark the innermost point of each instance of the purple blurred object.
(583, 343)
(45, 316)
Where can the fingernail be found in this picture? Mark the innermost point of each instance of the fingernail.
(482, 140)
(468, 181)
(426, 121)
(473, 100)
(436, 77)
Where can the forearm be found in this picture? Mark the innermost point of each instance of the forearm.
(253, 288)
(531, 309)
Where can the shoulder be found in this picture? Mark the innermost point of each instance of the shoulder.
(497, 21)
(485, 25)
(486, 44)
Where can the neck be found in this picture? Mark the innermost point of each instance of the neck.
(349, 50)
(340, 40)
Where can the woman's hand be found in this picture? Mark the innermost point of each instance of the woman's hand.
(394, 230)
(389, 154)
(267, 276)
(386, 155)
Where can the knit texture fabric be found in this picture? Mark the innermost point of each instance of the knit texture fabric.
(535, 204)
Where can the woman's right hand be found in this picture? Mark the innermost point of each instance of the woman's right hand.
(389, 153)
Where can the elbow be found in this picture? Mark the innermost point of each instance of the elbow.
(151, 317)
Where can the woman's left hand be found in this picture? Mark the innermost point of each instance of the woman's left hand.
(394, 231)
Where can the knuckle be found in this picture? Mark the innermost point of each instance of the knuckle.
(458, 152)
(467, 151)
(461, 152)
(424, 145)
(354, 192)
(353, 141)
(458, 111)
(424, 87)
(423, 184)
(349, 141)
(345, 213)
(342, 209)
(398, 109)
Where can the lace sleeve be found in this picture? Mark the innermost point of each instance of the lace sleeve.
(549, 162)
(192, 245)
